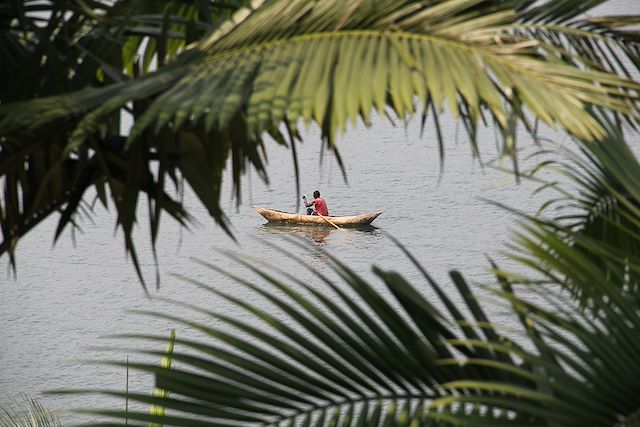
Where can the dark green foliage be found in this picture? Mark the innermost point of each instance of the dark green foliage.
(56, 48)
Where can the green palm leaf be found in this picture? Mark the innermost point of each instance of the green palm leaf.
(96, 44)
(321, 362)
(600, 237)
(275, 376)
(24, 411)
(255, 51)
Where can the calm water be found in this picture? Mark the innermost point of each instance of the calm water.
(67, 299)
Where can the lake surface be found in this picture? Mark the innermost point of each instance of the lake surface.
(67, 299)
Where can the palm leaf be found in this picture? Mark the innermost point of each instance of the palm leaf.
(278, 376)
(593, 340)
(317, 362)
(25, 411)
(97, 46)
(600, 237)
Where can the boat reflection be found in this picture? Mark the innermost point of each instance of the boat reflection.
(317, 234)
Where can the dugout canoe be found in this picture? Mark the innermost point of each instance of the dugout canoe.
(276, 216)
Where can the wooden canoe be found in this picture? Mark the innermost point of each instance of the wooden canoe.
(273, 215)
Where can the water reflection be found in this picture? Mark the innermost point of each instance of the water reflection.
(318, 234)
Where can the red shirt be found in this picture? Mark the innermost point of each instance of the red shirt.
(321, 206)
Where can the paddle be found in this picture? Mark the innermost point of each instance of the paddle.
(327, 219)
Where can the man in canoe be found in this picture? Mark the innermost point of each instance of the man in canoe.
(317, 205)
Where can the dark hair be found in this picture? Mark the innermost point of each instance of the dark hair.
(316, 194)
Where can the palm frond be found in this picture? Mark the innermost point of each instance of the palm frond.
(96, 43)
(25, 411)
(607, 43)
(411, 60)
(325, 356)
(322, 358)
(599, 238)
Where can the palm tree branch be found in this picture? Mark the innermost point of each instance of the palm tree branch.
(575, 87)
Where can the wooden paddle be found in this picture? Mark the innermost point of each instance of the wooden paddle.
(327, 219)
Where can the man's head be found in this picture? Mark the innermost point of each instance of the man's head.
(316, 194)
